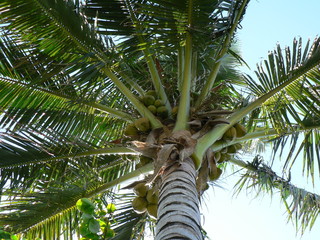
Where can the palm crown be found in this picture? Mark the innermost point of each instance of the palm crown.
(75, 75)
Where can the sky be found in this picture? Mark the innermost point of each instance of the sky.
(247, 217)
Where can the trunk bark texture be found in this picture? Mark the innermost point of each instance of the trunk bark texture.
(178, 209)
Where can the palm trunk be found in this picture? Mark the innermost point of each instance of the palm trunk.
(178, 209)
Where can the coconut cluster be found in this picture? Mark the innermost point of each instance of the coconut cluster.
(138, 127)
(154, 104)
(146, 200)
(210, 170)
(231, 134)
(141, 126)
(200, 123)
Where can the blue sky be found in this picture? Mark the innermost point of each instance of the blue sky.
(267, 22)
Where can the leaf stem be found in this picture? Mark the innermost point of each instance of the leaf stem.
(184, 104)
(100, 107)
(143, 110)
(250, 136)
(156, 80)
(145, 169)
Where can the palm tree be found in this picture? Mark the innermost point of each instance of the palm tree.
(95, 93)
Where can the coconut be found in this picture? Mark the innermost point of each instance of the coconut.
(224, 157)
(206, 187)
(152, 210)
(238, 146)
(153, 196)
(158, 103)
(214, 175)
(142, 124)
(152, 93)
(152, 108)
(231, 149)
(140, 190)
(230, 134)
(224, 150)
(162, 112)
(131, 130)
(240, 130)
(139, 204)
(175, 110)
(148, 100)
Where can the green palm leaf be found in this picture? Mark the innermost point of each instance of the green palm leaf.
(295, 106)
(302, 206)
(30, 158)
(57, 37)
(296, 76)
(55, 204)
(303, 144)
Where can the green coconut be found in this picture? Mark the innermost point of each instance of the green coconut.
(162, 112)
(158, 103)
(131, 130)
(230, 134)
(214, 175)
(240, 130)
(238, 146)
(224, 157)
(142, 124)
(148, 100)
(175, 110)
(153, 196)
(152, 108)
(139, 204)
(152, 93)
(231, 149)
(224, 150)
(140, 190)
(152, 210)
(217, 156)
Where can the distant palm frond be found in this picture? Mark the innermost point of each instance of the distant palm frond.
(303, 207)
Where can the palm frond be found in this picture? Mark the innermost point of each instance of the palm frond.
(162, 24)
(57, 36)
(23, 105)
(303, 144)
(303, 207)
(52, 206)
(80, 74)
(81, 78)
(290, 80)
(45, 208)
(30, 159)
(127, 223)
(233, 11)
